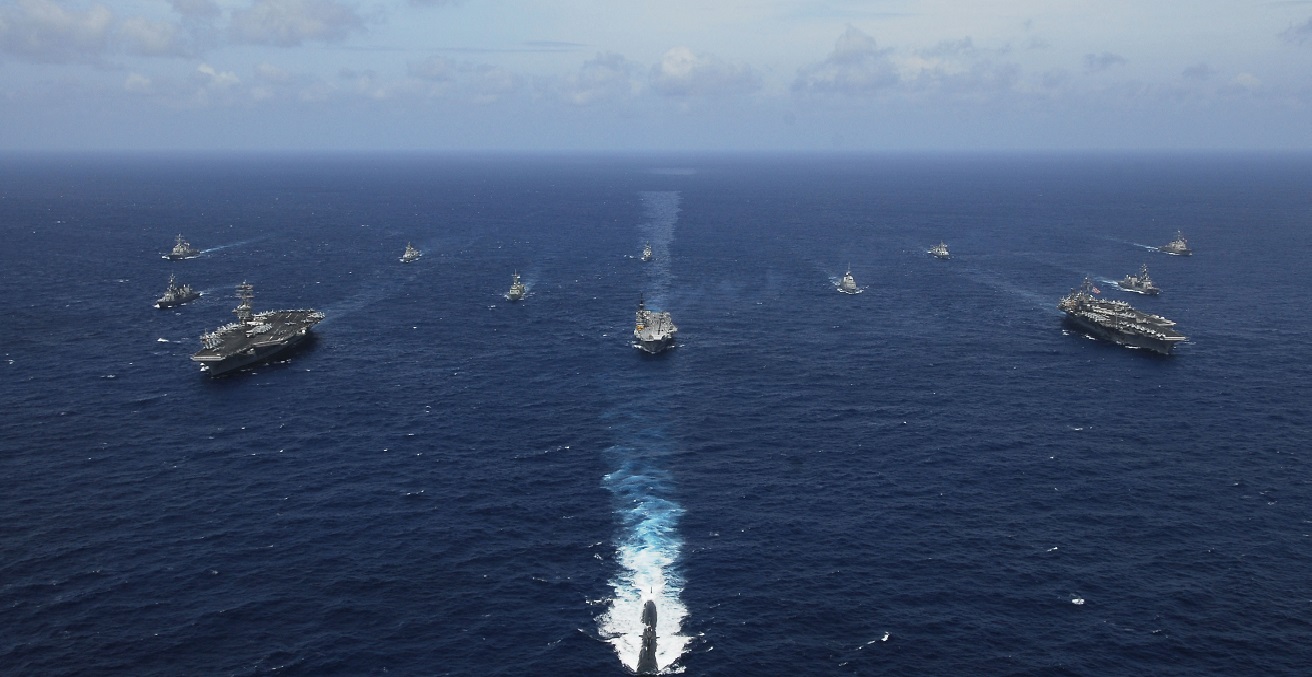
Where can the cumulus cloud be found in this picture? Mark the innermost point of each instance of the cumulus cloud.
(681, 72)
(46, 32)
(606, 77)
(1096, 63)
(1299, 34)
(196, 9)
(477, 83)
(288, 23)
(856, 66)
(221, 79)
(151, 38)
(1198, 72)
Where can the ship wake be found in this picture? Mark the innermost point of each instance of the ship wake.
(234, 244)
(647, 548)
(662, 211)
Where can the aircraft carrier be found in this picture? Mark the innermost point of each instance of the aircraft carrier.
(653, 331)
(1118, 321)
(254, 337)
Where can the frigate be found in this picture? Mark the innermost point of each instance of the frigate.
(517, 289)
(1177, 247)
(182, 250)
(176, 295)
(940, 250)
(254, 337)
(411, 254)
(1139, 284)
(646, 252)
(653, 331)
(1118, 321)
(847, 285)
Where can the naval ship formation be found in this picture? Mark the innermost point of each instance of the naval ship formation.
(176, 295)
(254, 337)
(182, 250)
(1118, 321)
(653, 331)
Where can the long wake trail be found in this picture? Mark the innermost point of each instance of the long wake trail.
(647, 542)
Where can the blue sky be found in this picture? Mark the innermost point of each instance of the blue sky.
(584, 75)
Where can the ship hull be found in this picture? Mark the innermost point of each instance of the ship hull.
(181, 257)
(1146, 292)
(653, 346)
(162, 304)
(250, 356)
(1098, 331)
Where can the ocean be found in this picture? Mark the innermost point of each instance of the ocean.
(931, 477)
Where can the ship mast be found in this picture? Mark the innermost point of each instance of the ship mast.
(245, 293)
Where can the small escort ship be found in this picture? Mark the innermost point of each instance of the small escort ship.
(182, 250)
(847, 285)
(254, 337)
(1140, 284)
(940, 251)
(518, 290)
(653, 331)
(646, 252)
(1177, 247)
(1117, 321)
(176, 295)
(411, 254)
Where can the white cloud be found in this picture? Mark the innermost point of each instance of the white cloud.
(1096, 63)
(220, 79)
(1299, 34)
(856, 66)
(151, 38)
(606, 77)
(681, 72)
(476, 83)
(137, 84)
(46, 32)
(288, 23)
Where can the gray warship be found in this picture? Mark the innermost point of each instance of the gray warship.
(1177, 247)
(646, 252)
(176, 295)
(411, 254)
(647, 655)
(653, 331)
(182, 250)
(847, 285)
(517, 289)
(1118, 321)
(1140, 284)
(254, 337)
(940, 251)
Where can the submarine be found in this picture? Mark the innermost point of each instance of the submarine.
(647, 656)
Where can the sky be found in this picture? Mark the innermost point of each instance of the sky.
(636, 76)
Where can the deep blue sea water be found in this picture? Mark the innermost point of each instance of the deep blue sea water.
(917, 480)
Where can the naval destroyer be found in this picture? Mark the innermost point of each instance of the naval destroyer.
(646, 252)
(411, 254)
(176, 295)
(847, 285)
(182, 250)
(653, 331)
(940, 251)
(517, 289)
(1140, 284)
(1177, 247)
(1118, 321)
(254, 337)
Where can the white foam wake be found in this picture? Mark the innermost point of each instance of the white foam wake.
(648, 549)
